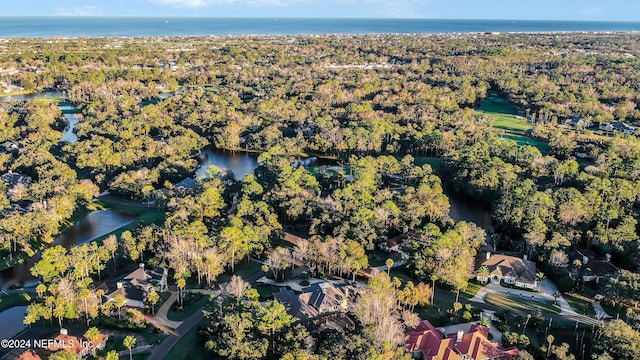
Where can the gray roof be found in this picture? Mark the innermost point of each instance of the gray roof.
(187, 183)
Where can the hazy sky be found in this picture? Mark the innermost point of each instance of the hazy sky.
(623, 10)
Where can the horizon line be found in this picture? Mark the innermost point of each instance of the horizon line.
(304, 17)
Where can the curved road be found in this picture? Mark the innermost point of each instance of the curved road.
(160, 351)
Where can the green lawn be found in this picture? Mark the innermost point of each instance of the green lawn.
(189, 347)
(141, 356)
(525, 305)
(503, 113)
(377, 258)
(266, 291)
(435, 163)
(243, 270)
(116, 343)
(152, 338)
(15, 299)
(580, 303)
(190, 310)
(472, 290)
(526, 140)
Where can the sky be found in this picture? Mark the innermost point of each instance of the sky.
(611, 10)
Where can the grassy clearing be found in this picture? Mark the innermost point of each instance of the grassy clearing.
(377, 258)
(266, 291)
(189, 346)
(190, 310)
(15, 299)
(152, 338)
(580, 303)
(243, 270)
(436, 163)
(524, 305)
(525, 140)
(471, 291)
(503, 113)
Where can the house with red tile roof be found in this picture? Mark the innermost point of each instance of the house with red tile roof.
(428, 343)
(78, 346)
(29, 355)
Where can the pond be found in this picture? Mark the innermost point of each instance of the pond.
(239, 163)
(466, 208)
(48, 93)
(11, 320)
(94, 225)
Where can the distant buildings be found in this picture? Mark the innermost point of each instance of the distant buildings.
(510, 269)
(578, 122)
(618, 126)
(428, 343)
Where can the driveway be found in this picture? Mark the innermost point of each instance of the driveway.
(548, 288)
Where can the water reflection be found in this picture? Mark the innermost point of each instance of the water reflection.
(92, 226)
(11, 321)
(240, 163)
(68, 135)
(53, 93)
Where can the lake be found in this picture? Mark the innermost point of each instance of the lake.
(94, 225)
(239, 163)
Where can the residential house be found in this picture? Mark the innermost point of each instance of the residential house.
(186, 186)
(15, 182)
(148, 279)
(578, 122)
(135, 286)
(29, 355)
(510, 269)
(318, 299)
(80, 347)
(428, 343)
(595, 267)
(395, 243)
(618, 126)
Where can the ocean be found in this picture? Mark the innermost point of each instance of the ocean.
(49, 27)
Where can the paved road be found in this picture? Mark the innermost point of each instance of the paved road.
(160, 351)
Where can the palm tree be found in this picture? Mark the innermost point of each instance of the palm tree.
(119, 301)
(112, 355)
(539, 277)
(524, 328)
(389, 264)
(423, 294)
(129, 342)
(93, 334)
(484, 272)
(152, 299)
(433, 279)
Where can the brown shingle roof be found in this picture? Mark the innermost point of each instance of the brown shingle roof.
(520, 269)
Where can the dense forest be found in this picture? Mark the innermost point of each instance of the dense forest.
(398, 113)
